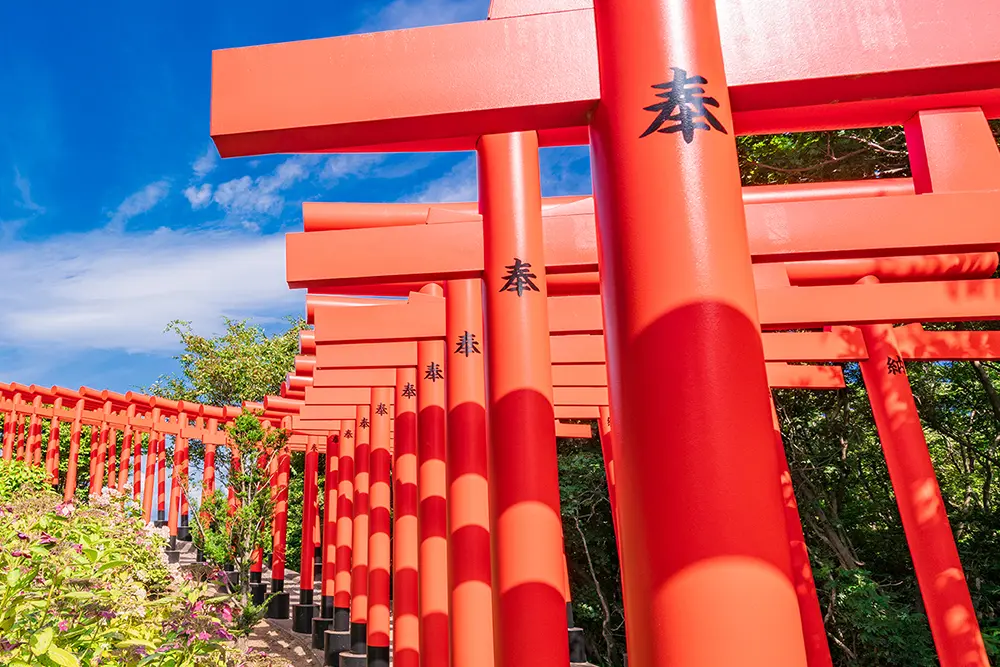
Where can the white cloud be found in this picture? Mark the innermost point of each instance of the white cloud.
(207, 163)
(138, 203)
(400, 14)
(248, 196)
(24, 189)
(339, 167)
(199, 196)
(115, 291)
(458, 185)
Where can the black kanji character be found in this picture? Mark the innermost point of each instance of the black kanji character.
(467, 344)
(409, 391)
(519, 278)
(433, 372)
(381, 409)
(348, 434)
(364, 422)
(685, 104)
(896, 366)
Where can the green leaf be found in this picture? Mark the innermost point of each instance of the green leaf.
(13, 577)
(112, 564)
(129, 643)
(62, 657)
(41, 641)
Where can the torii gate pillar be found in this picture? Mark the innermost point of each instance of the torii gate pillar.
(706, 566)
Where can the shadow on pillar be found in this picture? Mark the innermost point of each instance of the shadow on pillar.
(338, 640)
(278, 605)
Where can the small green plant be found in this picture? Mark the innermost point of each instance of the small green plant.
(18, 477)
(231, 534)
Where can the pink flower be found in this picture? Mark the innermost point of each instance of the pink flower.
(227, 614)
(22, 536)
(46, 539)
(199, 605)
(63, 626)
(78, 548)
(17, 553)
(204, 636)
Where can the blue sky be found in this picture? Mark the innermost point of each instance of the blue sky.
(116, 213)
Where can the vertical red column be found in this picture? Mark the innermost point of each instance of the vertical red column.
(526, 524)
(95, 436)
(112, 480)
(359, 567)
(405, 536)
(432, 492)
(19, 436)
(52, 453)
(73, 462)
(9, 429)
(278, 606)
(104, 436)
(137, 466)
(338, 639)
(939, 572)
(151, 460)
(305, 610)
(604, 429)
(701, 520)
(176, 475)
(35, 433)
(469, 569)
(329, 555)
(161, 485)
(813, 630)
(183, 463)
(128, 437)
(379, 551)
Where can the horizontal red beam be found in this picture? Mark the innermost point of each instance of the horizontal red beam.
(440, 88)
(778, 232)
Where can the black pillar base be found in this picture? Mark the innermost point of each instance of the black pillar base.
(172, 542)
(342, 619)
(353, 660)
(199, 557)
(335, 642)
(378, 656)
(277, 608)
(184, 530)
(320, 626)
(258, 593)
(173, 556)
(255, 577)
(577, 646)
(359, 639)
(304, 612)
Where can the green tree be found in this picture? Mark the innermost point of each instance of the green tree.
(242, 364)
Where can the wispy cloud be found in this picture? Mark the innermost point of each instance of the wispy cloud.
(117, 291)
(457, 185)
(207, 163)
(199, 196)
(138, 203)
(400, 14)
(24, 189)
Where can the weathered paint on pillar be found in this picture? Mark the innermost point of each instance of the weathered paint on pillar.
(526, 524)
(469, 568)
(405, 536)
(379, 551)
(707, 574)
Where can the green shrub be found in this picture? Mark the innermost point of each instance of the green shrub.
(18, 477)
(83, 585)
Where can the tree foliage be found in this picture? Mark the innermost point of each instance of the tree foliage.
(242, 364)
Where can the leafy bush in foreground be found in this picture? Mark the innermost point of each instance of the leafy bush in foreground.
(90, 585)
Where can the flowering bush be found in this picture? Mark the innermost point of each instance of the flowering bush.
(16, 477)
(88, 585)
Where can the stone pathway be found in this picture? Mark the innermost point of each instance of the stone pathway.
(275, 636)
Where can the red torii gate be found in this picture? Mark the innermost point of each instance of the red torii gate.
(687, 283)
